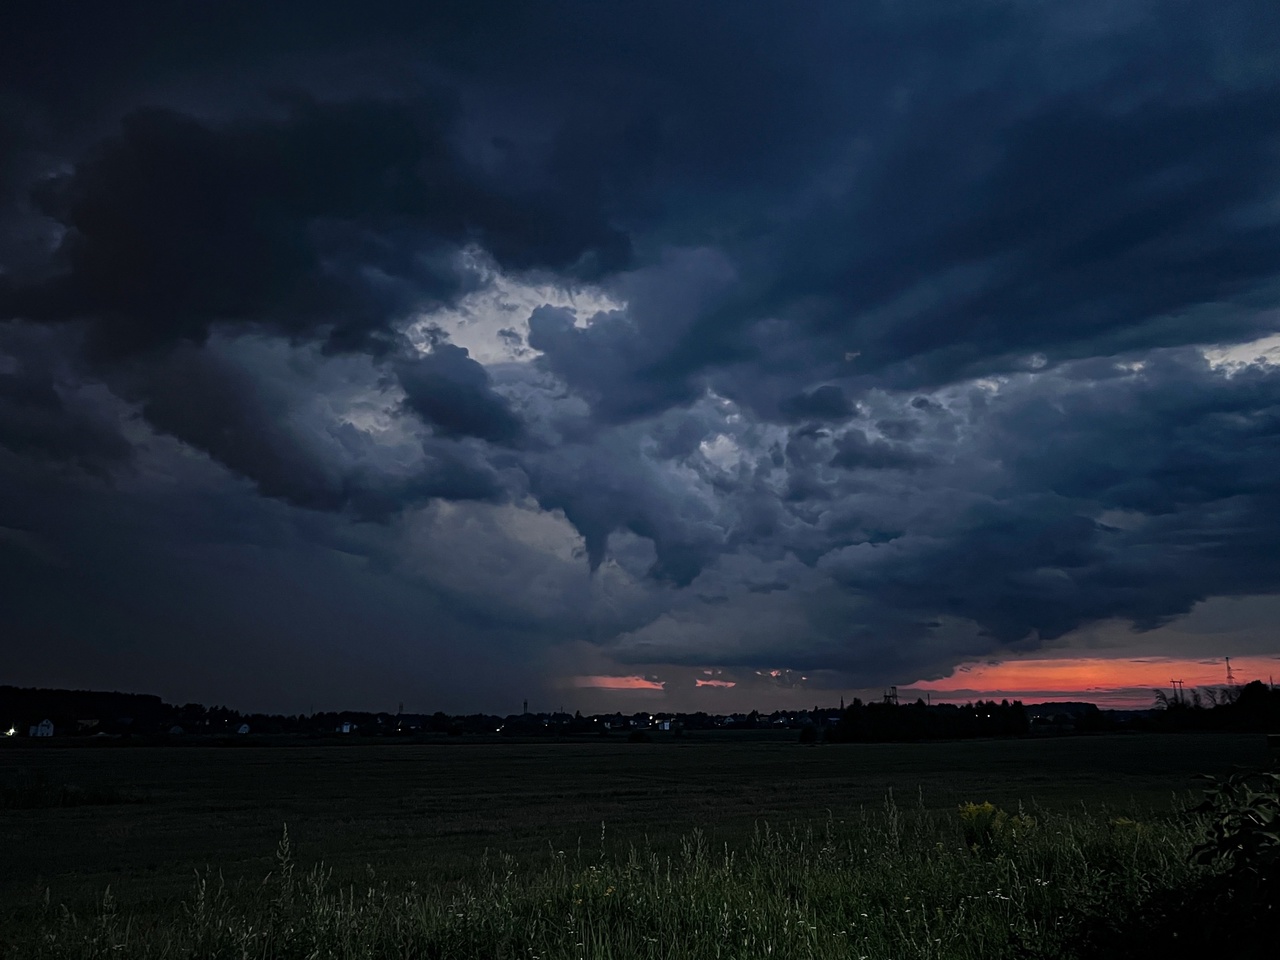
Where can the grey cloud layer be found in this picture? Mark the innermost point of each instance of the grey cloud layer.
(904, 367)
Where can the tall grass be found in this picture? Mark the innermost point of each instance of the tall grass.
(883, 883)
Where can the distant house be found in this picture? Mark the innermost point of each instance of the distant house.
(176, 731)
(346, 726)
(1049, 725)
(42, 729)
(242, 729)
(406, 723)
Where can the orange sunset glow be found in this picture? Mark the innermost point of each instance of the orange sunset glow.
(617, 683)
(1112, 683)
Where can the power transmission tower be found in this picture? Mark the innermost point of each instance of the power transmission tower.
(1231, 679)
(891, 696)
(1177, 690)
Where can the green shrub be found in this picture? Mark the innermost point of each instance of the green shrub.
(1227, 901)
(1242, 841)
(982, 824)
(1244, 833)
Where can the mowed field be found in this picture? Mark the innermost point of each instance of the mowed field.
(426, 812)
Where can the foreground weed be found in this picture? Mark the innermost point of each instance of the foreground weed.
(886, 883)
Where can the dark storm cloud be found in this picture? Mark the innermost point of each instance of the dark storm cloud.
(222, 410)
(616, 360)
(1131, 498)
(336, 219)
(1091, 227)
(1091, 230)
(43, 412)
(827, 402)
(1010, 200)
(452, 392)
(893, 367)
(612, 487)
(1167, 437)
(854, 449)
(1050, 501)
(247, 405)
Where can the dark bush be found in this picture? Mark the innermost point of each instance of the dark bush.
(1233, 908)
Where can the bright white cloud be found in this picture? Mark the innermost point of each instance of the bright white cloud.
(493, 322)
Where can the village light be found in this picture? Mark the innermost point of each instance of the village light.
(11, 731)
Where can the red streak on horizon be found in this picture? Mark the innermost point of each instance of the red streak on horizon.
(1087, 678)
(715, 683)
(618, 683)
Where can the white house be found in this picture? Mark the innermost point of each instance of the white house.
(346, 726)
(42, 729)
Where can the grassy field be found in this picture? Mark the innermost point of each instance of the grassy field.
(385, 816)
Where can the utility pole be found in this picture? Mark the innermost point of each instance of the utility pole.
(1231, 680)
(1177, 690)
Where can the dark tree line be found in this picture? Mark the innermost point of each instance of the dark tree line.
(1253, 708)
(893, 723)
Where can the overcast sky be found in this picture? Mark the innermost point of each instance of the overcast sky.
(735, 353)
